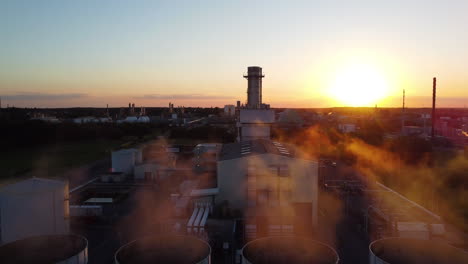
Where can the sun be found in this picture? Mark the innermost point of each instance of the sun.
(359, 84)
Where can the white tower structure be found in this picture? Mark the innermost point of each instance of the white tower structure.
(255, 118)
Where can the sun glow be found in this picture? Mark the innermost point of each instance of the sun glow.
(359, 85)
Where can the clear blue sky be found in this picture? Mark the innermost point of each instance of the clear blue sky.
(89, 53)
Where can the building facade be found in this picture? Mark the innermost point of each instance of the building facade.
(274, 188)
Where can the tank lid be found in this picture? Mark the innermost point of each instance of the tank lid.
(413, 251)
(164, 249)
(42, 249)
(288, 249)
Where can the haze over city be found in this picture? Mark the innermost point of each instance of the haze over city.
(314, 53)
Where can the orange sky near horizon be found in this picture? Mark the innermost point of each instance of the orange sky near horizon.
(89, 54)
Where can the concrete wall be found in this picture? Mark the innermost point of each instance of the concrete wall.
(232, 179)
(124, 160)
(257, 116)
(253, 131)
(232, 176)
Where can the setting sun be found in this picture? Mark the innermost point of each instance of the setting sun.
(359, 85)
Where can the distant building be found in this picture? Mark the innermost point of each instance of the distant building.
(135, 119)
(125, 160)
(42, 117)
(229, 110)
(271, 184)
(33, 207)
(91, 119)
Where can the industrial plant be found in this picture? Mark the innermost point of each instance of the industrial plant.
(255, 197)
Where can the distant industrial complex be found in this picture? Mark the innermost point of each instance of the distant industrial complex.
(253, 200)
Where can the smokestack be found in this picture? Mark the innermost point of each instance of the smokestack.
(254, 86)
(403, 112)
(403, 100)
(434, 83)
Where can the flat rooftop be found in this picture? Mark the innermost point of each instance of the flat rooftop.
(32, 185)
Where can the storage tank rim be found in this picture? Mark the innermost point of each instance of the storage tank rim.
(411, 239)
(162, 236)
(293, 237)
(76, 252)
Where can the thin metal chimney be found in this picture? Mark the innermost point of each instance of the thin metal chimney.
(434, 83)
(403, 112)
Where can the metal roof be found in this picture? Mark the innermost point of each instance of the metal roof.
(255, 147)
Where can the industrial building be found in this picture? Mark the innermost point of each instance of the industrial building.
(274, 187)
(254, 118)
(33, 207)
(229, 110)
(124, 160)
(270, 184)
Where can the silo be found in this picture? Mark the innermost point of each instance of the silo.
(44, 201)
(412, 251)
(165, 249)
(60, 249)
(288, 250)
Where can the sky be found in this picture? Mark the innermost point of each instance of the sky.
(69, 53)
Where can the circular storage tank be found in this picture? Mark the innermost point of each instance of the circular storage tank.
(412, 251)
(288, 250)
(62, 249)
(175, 249)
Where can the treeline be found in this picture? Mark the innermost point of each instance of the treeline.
(207, 132)
(35, 132)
